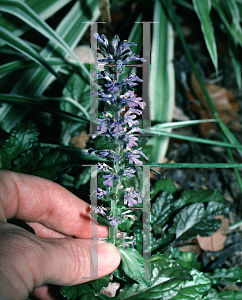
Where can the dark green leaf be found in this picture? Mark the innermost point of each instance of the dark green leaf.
(83, 178)
(224, 295)
(44, 162)
(229, 295)
(132, 264)
(73, 292)
(126, 224)
(167, 278)
(232, 275)
(103, 144)
(203, 196)
(138, 235)
(195, 289)
(83, 292)
(77, 89)
(99, 283)
(186, 259)
(161, 211)
(22, 137)
(162, 243)
(196, 219)
(163, 185)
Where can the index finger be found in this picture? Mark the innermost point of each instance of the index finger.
(35, 199)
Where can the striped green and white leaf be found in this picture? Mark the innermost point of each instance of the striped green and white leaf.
(71, 29)
(162, 79)
(23, 47)
(28, 16)
(202, 9)
(44, 9)
(230, 17)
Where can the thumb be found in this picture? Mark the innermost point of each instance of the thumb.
(75, 261)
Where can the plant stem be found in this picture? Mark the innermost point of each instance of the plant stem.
(113, 229)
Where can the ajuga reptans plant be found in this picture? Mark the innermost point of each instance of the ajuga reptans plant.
(117, 136)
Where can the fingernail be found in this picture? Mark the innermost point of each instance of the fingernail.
(105, 257)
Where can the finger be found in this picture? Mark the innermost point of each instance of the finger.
(35, 199)
(30, 262)
(75, 261)
(45, 232)
(47, 292)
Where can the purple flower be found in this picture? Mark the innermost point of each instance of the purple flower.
(135, 111)
(129, 172)
(109, 98)
(116, 54)
(113, 86)
(131, 140)
(103, 125)
(133, 158)
(130, 80)
(129, 198)
(101, 193)
(113, 221)
(98, 210)
(135, 129)
(132, 58)
(104, 153)
(110, 179)
(138, 151)
(117, 125)
(130, 119)
(90, 151)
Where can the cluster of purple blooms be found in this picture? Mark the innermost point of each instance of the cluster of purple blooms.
(118, 129)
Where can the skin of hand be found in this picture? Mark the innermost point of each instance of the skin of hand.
(61, 252)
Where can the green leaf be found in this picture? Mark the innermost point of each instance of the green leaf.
(161, 79)
(234, 52)
(167, 279)
(22, 137)
(44, 162)
(27, 50)
(230, 295)
(103, 144)
(126, 224)
(203, 196)
(198, 287)
(83, 178)
(195, 219)
(44, 9)
(224, 295)
(40, 103)
(161, 211)
(27, 15)
(99, 283)
(83, 292)
(186, 259)
(132, 265)
(232, 275)
(12, 66)
(163, 185)
(73, 292)
(77, 89)
(228, 12)
(161, 243)
(72, 27)
(203, 8)
(194, 139)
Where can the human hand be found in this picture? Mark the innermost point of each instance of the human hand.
(31, 262)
